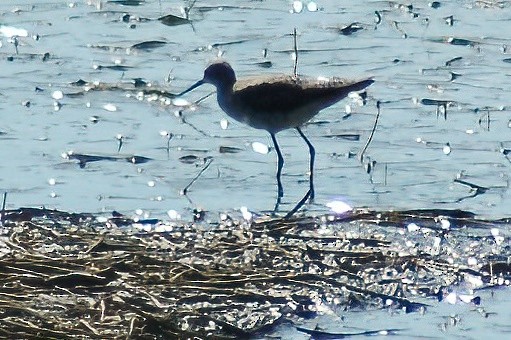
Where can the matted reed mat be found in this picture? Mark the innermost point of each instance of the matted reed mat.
(66, 274)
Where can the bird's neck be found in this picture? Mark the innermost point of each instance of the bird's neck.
(224, 95)
(225, 88)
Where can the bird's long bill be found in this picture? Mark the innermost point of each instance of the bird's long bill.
(197, 84)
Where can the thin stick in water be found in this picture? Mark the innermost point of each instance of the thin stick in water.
(385, 174)
(488, 119)
(295, 46)
(3, 208)
(208, 163)
(188, 9)
(361, 154)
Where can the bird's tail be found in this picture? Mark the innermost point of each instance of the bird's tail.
(360, 85)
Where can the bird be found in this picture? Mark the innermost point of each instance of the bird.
(277, 102)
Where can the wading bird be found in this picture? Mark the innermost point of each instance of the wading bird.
(275, 103)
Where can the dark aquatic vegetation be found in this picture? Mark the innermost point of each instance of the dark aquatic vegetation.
(83, 159)
(148, 45)
(189, 159)
(265, 64)
(377, 17)
(113, 67)
(79, 82)
(476, 189)
(127, 2)
(460, 42)
(351, 28)
(346, 136)
(229, 149)
(235, 42)
(450, 62)
(449, 20)
(172, 20)
(322, 335)
(454, 76)
(435, 102)
(127, 18)
(137, 159)
(139, 82)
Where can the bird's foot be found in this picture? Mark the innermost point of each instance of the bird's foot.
(299, 205)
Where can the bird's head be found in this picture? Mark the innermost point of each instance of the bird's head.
(220, 74)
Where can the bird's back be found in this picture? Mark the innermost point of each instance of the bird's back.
(279, 102)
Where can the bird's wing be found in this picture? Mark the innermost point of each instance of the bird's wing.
(286, 93)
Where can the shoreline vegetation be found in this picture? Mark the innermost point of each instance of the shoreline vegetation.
(72, 274)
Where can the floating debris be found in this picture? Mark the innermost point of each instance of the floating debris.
(57, 95)
(260, 148)
(224, 124)
(173, 215)
(297, 7)
(180, 102)
(312, 6)
(339, 207)
(10, 31)
(110, 107)
(447, 149)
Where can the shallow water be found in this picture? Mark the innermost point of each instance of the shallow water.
(439, 322)
(408, 174)
(412, 170)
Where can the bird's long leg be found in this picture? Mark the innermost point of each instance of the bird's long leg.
(280, 164)
(310, 193)
(312, 154)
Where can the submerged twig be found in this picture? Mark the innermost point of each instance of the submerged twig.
(474, 188)
(188, 9)
(3, 208)
(361, 154)
(202, 132)
(204, 97)
(206, 166)
(295, 61)
(485, 116)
